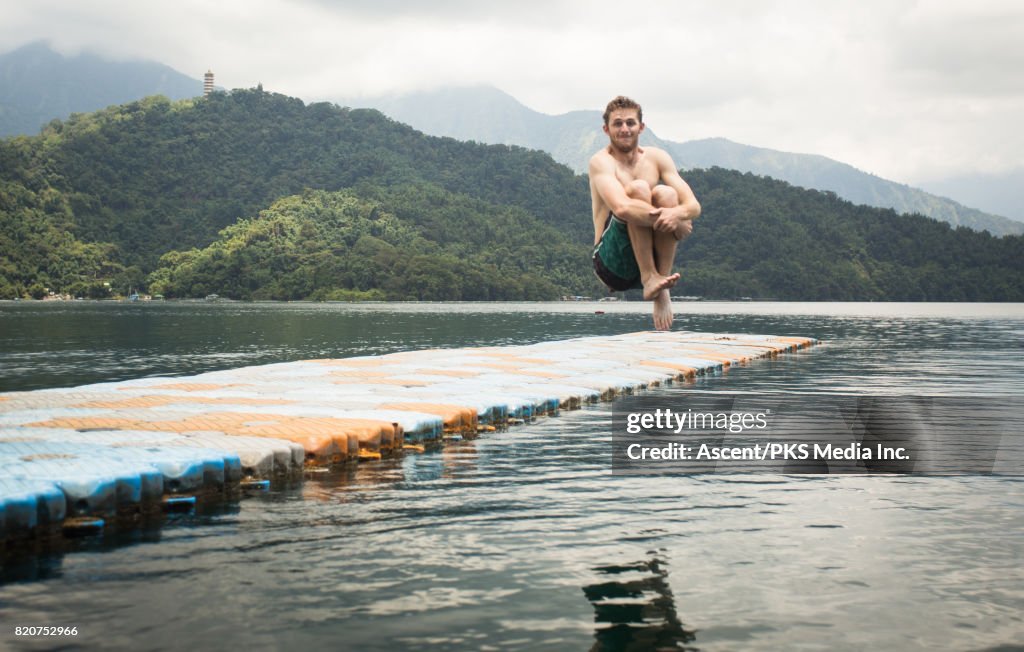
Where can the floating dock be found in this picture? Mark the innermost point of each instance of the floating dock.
(85, 457)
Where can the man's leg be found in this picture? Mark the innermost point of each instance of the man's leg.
(665, 243)
(645, 248)
(665, 254)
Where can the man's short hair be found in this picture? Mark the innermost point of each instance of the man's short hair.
(623, 102)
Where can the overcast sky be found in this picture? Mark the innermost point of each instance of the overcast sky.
(910, 91)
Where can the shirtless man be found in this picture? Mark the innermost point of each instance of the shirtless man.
(637, 222)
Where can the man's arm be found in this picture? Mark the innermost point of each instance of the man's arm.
(613, 194)
(688, 208)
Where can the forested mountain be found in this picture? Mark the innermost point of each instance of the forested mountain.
(405, 242)
(102, 196)
(765, 238)
(38, 85)
(250, 194)
(487, 115)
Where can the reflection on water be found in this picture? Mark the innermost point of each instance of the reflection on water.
(634, 609)
(43, 560)
(487, 543)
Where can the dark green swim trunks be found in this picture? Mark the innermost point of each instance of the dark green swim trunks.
(614, 261)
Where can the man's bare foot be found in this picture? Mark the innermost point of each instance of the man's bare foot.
(663, 311)
(656, 283)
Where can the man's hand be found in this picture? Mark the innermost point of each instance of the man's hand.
(669, 220)
(654, 216)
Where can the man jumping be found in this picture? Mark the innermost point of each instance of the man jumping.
(642, 210)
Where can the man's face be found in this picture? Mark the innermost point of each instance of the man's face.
(623, 129)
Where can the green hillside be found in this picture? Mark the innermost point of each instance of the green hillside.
(412, 242)
(767, 239)
(256, 195)
(145, 178)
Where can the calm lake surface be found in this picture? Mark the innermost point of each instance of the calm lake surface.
(524, 539)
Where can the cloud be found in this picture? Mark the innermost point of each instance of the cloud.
(966, 50)
(528, 12)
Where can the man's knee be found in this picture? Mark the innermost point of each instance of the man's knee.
(639, 189)
(665, 197)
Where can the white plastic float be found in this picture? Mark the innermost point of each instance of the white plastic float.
(102, 450)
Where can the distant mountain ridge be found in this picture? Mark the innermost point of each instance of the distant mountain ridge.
(488, 115)
(995, 193)
(822, 173)
(38, 84)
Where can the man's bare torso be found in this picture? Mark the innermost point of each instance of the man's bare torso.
(644, 167)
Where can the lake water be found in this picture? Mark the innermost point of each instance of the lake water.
(525, 539)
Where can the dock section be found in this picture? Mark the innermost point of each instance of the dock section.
(87, 456)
